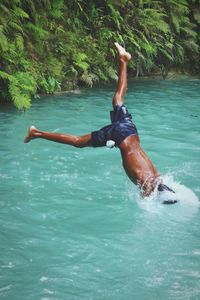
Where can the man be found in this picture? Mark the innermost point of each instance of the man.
(122, 132)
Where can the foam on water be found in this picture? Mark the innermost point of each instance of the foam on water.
(187, 205)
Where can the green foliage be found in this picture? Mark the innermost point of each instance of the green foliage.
(37, 32)
(3, 40)
(52, 85)
(57, 9)
(49, 45)
(21, 86)
(6, 76)
(89, 78)
(79, 60)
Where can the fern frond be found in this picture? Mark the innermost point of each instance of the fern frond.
(197, 16)
(5, 9)
(176, 22)
(20, 100)
(189, 32)
(26, 82)
(21, 87)
(115, 16)
(191, 46)
(37, 31)
(54, 67)
(180, 53)
(89, 78)
(3, 40)
(57, 8)
(180, 6)
(148, 48)
(112, 73)
(79, 60)
(102, 75)
(19, 12)
(134, 42)
(19, 42)
(53, 85)
(166, 54)
(16, 26)
(82, 65)
(7, 76)
(140, 55)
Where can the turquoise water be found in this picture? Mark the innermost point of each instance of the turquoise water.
(73, 225)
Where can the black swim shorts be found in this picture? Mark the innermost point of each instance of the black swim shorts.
(121, 127)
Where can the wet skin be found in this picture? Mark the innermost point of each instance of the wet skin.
(137, 165)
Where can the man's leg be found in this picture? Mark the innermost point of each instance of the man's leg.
(124, 57)
(76, 141)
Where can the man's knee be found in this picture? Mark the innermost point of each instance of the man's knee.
(77, 142)
(81, 142)
(117, 100)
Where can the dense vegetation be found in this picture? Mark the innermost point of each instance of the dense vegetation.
(49, 45)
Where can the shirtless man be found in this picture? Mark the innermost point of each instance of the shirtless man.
(122, 132)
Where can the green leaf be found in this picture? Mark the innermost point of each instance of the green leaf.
(8, 77)
(18, 12)
(89, 78)
(79, 60)
(20, 100)
(19, 42)
(3, 40)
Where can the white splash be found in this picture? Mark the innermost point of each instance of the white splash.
(187, 205)
(183, 194)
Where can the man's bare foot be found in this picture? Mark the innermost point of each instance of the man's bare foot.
(125, 56)
(30, 136)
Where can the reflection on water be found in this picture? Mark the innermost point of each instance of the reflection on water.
(72, 224)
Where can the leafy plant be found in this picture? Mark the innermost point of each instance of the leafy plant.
(49, 45)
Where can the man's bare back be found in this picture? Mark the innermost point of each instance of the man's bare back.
(138, 166)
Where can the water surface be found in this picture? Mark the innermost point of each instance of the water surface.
(72, 224)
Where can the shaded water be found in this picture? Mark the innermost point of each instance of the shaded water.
(72, 224)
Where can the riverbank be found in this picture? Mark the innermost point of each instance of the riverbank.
(171, 76)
